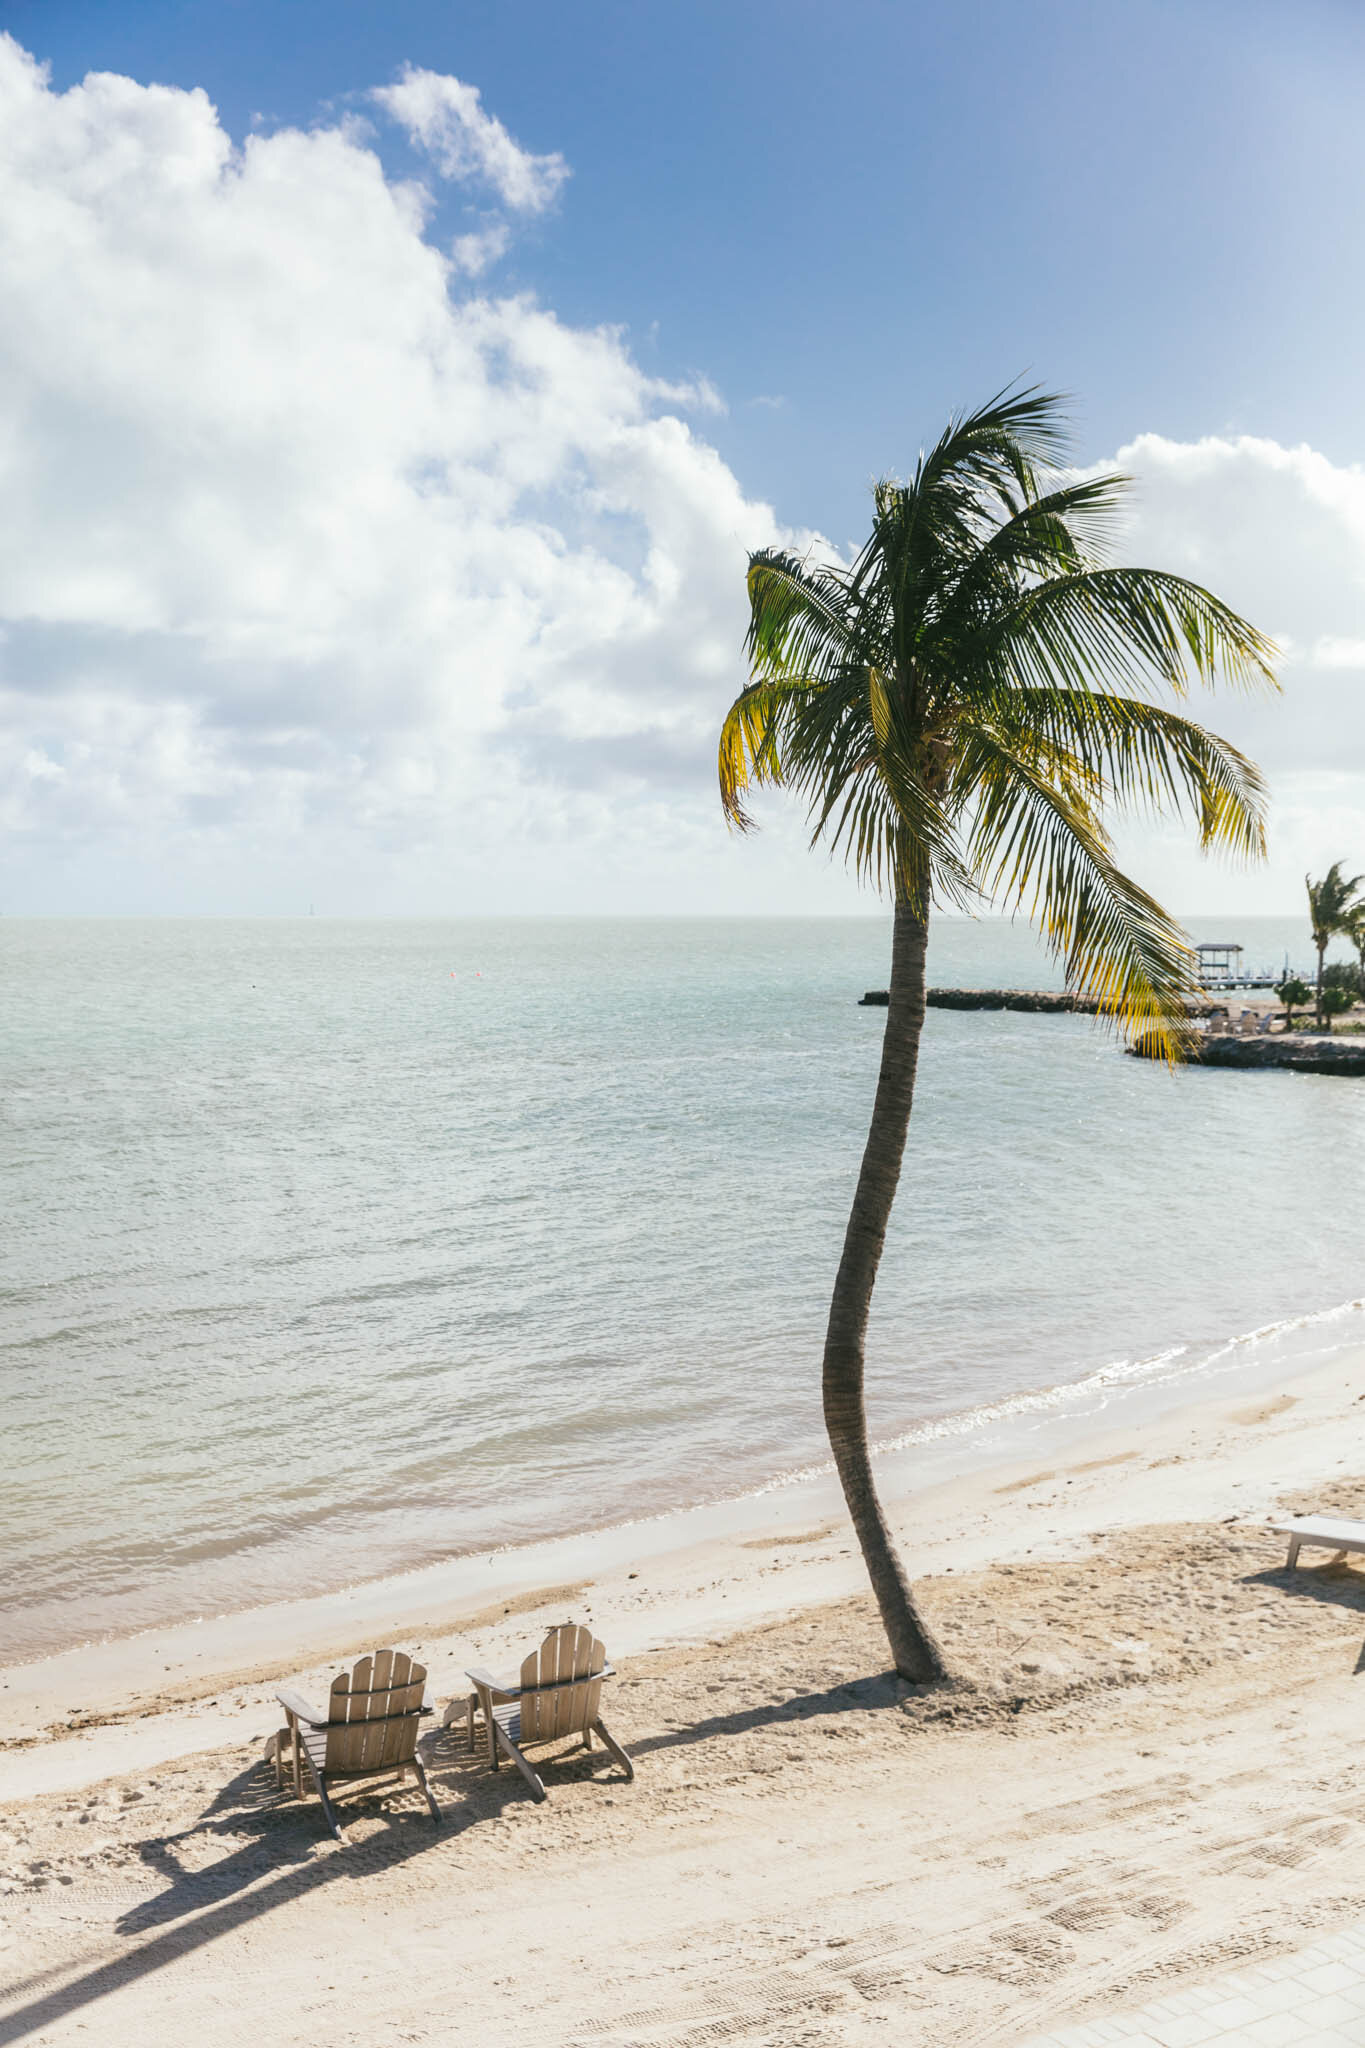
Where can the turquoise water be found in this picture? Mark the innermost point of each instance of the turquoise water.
(335, 1247)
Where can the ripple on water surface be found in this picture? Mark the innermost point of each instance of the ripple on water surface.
(333, 1247)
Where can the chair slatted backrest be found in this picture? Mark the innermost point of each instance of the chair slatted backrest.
(567, 1654)
(372, 1718)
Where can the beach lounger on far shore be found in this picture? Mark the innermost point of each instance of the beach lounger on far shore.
(368, 1731)
(1323, 1532)
(558, 1694)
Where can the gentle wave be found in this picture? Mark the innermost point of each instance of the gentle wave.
(320, 1264)
(1123, 1374)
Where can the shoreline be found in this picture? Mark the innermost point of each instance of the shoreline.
(932, 1448)
(958, 1502)
(1152, 1723)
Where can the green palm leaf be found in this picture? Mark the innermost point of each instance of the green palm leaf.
(980, 607)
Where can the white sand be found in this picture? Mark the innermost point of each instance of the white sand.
(1151, 1770)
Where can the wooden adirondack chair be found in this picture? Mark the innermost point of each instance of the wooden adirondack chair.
(368, 1731)
(558, 1695)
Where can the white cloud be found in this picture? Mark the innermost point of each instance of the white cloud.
(1280, 533)
(305, 541)
(445, 119)
(324, 572)
(480, 248)
(1333, 652)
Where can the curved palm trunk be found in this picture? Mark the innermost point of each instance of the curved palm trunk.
(1322, 955)
(915, 1652)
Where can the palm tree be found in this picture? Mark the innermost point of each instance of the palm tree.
(1355, 932)
(956, 708)
(1333, 904)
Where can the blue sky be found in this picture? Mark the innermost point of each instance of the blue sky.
(879, 214)
(846, 225)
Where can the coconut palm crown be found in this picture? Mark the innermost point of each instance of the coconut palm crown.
(1334, 906)
(959, 708)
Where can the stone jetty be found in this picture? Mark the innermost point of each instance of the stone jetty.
(1305, 1052)
(1048, 1001)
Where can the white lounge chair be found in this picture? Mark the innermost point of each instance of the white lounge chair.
(369, 1730)
(558, 1694)
(1324, 1532)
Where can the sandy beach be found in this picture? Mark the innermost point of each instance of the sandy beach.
(1152, 1732)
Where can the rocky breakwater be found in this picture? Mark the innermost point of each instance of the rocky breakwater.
(1047, 1001)
(1303, 1052)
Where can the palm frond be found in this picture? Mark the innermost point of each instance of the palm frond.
(1145, 757)
(1125, 627)
(799, 614)
(985, 464)
(1042, 848)
(1061, 533)
(749, 755)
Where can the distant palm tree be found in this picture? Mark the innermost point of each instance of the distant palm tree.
(1333, 906)
(956, 708)
(1355, 932)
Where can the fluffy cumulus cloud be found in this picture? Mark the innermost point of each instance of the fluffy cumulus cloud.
(326, 570)
(1280, 533)
(306, 543)
(446, 119)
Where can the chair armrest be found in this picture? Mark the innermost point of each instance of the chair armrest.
(484, 1681)
(294, 1703)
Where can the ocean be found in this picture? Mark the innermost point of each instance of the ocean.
(333, 1248)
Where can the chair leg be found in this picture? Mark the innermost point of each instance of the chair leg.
(320, 1780)
(298, 1755)
(418, 1767)
(478, 1702)
(610, 1743)
(532, 1778)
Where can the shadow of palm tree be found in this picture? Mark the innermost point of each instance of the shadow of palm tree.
(856, 1696)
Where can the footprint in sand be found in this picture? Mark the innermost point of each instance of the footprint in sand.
(1264, 1411)
(1042, 1478)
